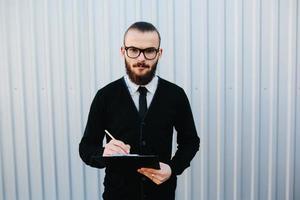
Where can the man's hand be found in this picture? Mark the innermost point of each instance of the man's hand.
(116, 147)
(157, 176)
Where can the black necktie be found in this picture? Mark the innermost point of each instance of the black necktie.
(142, 101)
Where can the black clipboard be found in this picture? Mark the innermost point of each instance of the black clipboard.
(131, 161)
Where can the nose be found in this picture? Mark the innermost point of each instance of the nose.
(141, 57)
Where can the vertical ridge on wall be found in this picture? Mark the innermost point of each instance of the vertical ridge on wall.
(18, 120)
(234, 74)
(2, 57)
(291, 100)
(9, 175)
(297, 110)
(42, 91)
(269, 44)
(29, 96)
(81, 183)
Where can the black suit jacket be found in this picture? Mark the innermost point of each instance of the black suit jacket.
(113, 109)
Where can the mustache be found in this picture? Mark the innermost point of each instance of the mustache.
(144, 65)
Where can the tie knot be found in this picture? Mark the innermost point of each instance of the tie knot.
(142, 90)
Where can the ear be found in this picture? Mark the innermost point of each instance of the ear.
(122, 51)
(160, 51)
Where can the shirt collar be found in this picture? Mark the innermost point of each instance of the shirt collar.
(151, 86)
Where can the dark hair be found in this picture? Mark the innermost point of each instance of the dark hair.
(143, 27)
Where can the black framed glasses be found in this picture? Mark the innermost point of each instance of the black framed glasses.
(134, 52)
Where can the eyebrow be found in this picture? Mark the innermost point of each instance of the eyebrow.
(141, 48)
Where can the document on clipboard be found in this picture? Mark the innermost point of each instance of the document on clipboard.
(130, 161)
(133, 161)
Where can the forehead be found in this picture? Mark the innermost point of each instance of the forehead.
(141, 40)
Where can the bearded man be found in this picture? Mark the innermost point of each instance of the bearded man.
(141, 111)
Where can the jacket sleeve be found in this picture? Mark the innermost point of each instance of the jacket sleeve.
(188, 141)
(91, 144)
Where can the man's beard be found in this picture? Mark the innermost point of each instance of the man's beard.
(144, 79)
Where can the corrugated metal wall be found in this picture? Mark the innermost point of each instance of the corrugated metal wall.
(236, 59)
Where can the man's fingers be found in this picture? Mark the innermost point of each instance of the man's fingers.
(120, 144)
(157, 179)
(157, 176)
(117, 142)
(109, 152)
(116, 147)
(150, 171)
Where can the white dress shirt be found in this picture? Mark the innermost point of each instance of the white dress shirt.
(133, 90)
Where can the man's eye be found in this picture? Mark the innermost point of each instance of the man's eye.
(134, 50)
(150, 51)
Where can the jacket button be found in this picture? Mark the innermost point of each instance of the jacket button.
(144, 143)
